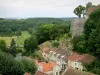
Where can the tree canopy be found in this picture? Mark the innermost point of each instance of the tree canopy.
(79, 10)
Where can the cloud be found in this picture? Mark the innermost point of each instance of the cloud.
(40, 8)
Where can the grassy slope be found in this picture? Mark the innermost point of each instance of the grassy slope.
(22, 38)
(19, 41)
(8, 39)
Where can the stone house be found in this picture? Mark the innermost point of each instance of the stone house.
(77, 61)
(57, 55)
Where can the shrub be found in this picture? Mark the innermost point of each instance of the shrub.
(55, 44)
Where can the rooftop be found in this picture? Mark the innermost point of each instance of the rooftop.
(84, 58)
(90, 10)
(46, 66)
(40, 73)
(76, 72)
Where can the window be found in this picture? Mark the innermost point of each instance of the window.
(75, 64)
(76, 68)
(56, 73)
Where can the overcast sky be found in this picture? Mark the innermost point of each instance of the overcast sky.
(40, 8)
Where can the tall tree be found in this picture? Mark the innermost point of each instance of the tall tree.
(79, 10)
(12, 48)
(30, 44)
(2, 45)
(89, 5)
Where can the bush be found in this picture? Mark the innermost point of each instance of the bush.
(9, 66)
(29, 65)
(55, 44)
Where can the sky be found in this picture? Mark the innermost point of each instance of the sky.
(40, 8)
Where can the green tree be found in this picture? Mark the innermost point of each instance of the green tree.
(29, 65)
(89, 5)
(79, 10)
(55, 43)
(12, 48)
(9, 66)
(2, 45)
(30, 44)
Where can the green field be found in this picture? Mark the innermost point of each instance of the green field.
(19, 39)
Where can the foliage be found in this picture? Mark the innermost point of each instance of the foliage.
(2, 45)
(92, 32)
(55, 43)
(94, 67)
(88, 5)
(79, 10)
(12, 48)
(29, 65)
(91, 41)
(38, 55)
(9, 27)
(50, 32)
(30, 44)
(9, 66)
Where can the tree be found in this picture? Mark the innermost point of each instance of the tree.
(2, 45)
(30, 44)
(79, 10)
(9, 66)
(12, 48)
(29, 65)
(89, 5)
(12, 43)
(55, 43)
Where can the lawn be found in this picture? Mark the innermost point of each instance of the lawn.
(8, 39)
(19, 40)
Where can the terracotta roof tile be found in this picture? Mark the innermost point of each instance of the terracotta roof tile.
(46, 66)
(27, 73)
(40, 73)
(71, 71)
(75, 57)
(84, 58)
(90, 10)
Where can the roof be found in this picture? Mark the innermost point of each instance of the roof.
(87, 59)
(90, 10)
(46, 50)
(84, 58)
(71, 71)
(46, 66)
(27, 73)
(40, 73)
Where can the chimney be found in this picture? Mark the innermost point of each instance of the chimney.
(57, 56)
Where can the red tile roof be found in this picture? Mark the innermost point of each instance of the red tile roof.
(71, 71)
(27, 73)
(75, 57)
(84, 58)
(46, 66)
(40, 73)
(90, 10)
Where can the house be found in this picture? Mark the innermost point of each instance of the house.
(45, 67)
(71, 71)
(90, 10)
(76, 60)
(58, 55)
(40, 73)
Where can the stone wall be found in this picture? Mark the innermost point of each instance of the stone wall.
(77, 27)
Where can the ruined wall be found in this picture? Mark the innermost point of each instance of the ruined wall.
(77, 27)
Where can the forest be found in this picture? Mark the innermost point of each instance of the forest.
(26, 35)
